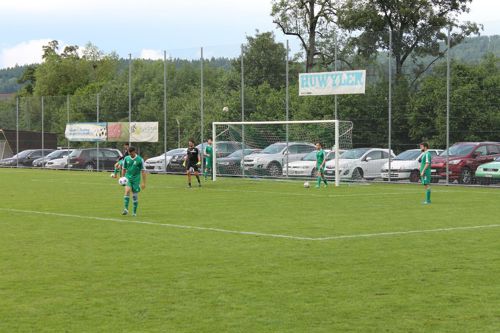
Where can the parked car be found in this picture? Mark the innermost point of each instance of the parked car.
(231, 164)
(464, 158)
(157, 163)
(58, 163)
(406, 165)
(175, 163)
(40, 162)
(25, 157)
(224, 148)
(306, 166)
(87, 158)
(489, 173)
(270, 160)
(360, 163)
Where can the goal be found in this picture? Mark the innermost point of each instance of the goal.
(270, 149)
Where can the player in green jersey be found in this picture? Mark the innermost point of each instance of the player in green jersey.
(133, 169)
(208, 154)
(320, 165)
(425, 171)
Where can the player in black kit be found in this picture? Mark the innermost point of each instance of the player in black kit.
(192, 162)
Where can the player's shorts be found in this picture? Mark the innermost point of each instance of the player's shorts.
(134, 185)
(208, 163)
(192, 168)
(426, 179)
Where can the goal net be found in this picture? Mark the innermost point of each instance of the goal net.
(276, 149)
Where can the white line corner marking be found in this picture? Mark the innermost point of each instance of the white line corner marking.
(252, 233)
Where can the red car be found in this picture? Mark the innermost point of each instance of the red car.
(464, 158)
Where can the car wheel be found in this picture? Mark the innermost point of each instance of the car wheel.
(89, 167)
(465, 176)
(414, 176)
(357, 174)
(274, 170)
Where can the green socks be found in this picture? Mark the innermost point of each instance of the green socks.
(318, 181)
(428, 195)
(135, 198)
(126, 200)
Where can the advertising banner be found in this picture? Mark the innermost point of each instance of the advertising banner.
(332, 83)
(92, 132)
(118, 132)
(144, 132)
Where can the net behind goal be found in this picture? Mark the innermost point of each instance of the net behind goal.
(276, 149)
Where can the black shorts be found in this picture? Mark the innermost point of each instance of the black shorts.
(192, 168)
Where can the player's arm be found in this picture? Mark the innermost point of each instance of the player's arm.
(144, 173)
(124, 168)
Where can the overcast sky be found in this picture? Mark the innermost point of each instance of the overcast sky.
(145, 28)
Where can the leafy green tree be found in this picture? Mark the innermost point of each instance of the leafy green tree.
(311, 21)
(417, 27)
(264, 61)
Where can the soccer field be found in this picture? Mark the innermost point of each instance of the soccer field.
(245, 256)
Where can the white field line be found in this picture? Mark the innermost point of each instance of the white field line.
(252, 233)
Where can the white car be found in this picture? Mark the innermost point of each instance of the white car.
(359, 163)
(270, 160)
(58, 163)
(406, 165)
(306, 167)
(157, 163)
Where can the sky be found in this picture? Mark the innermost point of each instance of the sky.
(145, 28)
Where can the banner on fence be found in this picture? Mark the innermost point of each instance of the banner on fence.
(332, 83)
(144, 132)
(113, 132)
(92, 132)
(118, 132)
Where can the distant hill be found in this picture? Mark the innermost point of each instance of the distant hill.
(9, 77)
(470, 51)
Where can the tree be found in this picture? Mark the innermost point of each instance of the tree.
(417, 27)
(309, 20)
(263, 61)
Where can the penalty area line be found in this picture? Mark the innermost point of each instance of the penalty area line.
(252, 233)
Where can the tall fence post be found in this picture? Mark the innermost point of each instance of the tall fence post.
(448, 79)
(201, 110)
(17, 132)
(287, 116)
(67, 122)
(390, 104)
(129, 96)
(242, 111)
(165, 108)
(97, 114)
(43, 129)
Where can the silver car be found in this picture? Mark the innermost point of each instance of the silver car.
(270, 160)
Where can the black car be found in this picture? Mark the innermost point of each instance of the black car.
(26, 157)
(175, 164)
(231, 165)
(60, 153)
(87, 158)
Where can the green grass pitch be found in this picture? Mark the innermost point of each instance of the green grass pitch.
(245, 256)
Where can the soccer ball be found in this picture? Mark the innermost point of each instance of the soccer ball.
(306, 185)
(225, 109)
(123, 181)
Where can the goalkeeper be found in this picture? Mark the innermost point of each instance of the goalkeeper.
(192, 162)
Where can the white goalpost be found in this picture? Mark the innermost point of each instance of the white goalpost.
(268, 148)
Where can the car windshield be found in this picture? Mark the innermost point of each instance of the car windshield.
(310, 157)
(75, 153)
(408, 155)
(22, 154)
(458, 150)
(274, 148)
(175, 151)
(353, 154)
(55, 154)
